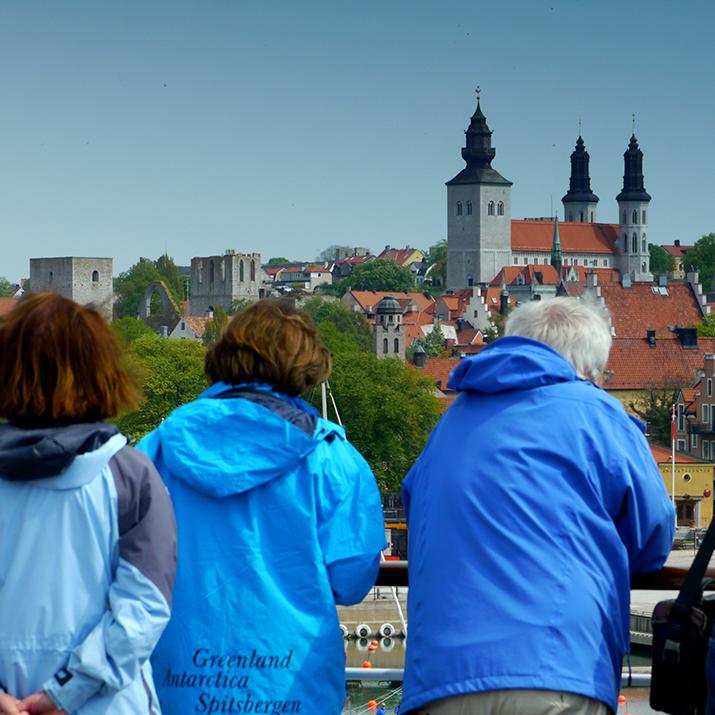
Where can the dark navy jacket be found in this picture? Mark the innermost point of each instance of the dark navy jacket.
(534, 501)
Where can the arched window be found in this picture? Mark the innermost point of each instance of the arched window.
(384, 346)
(253, 271)
(396, 345)
(634, 243)
(240, 271)
(643, 267)
(211, 271)
(490, 208)
(95, 276)
(469, 208)
(459, 208)
(643, 221)
(635, 215)
(500, 208)
(644, 244)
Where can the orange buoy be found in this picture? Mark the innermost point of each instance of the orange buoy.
(621, 699)
(366, 664)
(371, 704)
(375, 643)
(372, 647)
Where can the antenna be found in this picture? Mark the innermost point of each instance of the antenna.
(633, 123)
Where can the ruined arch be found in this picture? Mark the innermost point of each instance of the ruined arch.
(169, 313)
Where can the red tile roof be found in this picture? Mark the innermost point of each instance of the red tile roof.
(368, 299)
(398, 255)
(662, 455)
(493, 297)
(604, 275)
(677, 251)
(637, 309)
(529, 236)
(197, 323)
(7, 304)
(439, 369)
(636, 366)
(469, 336)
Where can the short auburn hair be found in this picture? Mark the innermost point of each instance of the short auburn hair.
(271, 342)
(60, 362)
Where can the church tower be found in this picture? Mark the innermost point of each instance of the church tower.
(580, 202)
(633, 256)
(388, 338)
(478, 212)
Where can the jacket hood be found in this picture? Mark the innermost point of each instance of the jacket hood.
(512, 363)
(225, 446)
(27, 454)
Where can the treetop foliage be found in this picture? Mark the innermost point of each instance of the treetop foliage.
(660, 260)
(701, 258)
(7, 289)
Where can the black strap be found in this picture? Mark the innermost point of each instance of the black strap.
(692, 588)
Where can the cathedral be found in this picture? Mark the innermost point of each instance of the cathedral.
(482, 238)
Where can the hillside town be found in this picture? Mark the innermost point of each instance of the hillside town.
(433, 307)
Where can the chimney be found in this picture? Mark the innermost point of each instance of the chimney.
(503, 302)
(650, 335)
(688, 337)
(677, 242)
(626, 280)
(419, 357)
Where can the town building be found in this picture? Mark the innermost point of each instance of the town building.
(84, 280)
(482, 238)
(222, 280)
(388, 333)
(677, 251)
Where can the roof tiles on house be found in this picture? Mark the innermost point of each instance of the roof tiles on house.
(634, 365)
(639, 308)
(368, 299)
(439, 369)
(662, 455)
(538, 236)
(677, 251)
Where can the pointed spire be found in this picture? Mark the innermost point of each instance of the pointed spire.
(580, 181)
(633, 188)
(478, 152)
(556, 258)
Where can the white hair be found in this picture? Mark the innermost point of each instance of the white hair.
(574, 328)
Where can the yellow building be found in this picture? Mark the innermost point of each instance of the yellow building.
(693, 486)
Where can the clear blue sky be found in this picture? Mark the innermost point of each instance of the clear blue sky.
(130, 128)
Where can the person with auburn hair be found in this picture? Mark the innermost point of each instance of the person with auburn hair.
(279, 519)
(87, 531)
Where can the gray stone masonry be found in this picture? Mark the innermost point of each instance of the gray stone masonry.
(84, 280)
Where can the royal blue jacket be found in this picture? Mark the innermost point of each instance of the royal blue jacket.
(279, 519)
(87, 563)
(534, 501)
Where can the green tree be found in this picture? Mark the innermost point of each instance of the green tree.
(437, 258)
(380, 274)
(7, 289)
(170, 275)
(345, 321)
(277, 261)
(653, 408)
(496, 327)
(129, 329)
(388, 410)
(706, 329)
(433, 343)
(130, 286)
(701, 258)
(660, 260)
(170, 373)
(215, 326)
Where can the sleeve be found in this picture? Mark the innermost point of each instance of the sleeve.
(643, 512)
(351, 528)
(139, 601)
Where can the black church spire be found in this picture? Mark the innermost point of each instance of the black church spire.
(478, 153)
(580, 181)
(633, 189)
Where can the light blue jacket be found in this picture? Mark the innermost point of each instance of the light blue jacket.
(87, 561)
(534, 501)
(279, 519)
